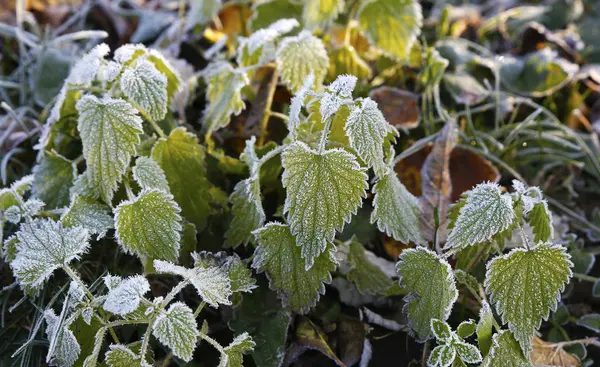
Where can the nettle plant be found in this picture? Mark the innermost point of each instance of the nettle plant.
(118, 169)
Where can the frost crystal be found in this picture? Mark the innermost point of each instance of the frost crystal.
(67, 349)
(487, 211)
(211, 283)
(144, 85)
(224, 94)
(126, 297)
(234, 352)
(267, 35)
(89, 214)
(323, 192)
(109, 131)
(84, 71)
(125, 53)
(176, 328)
(299, 56)
(44, 246)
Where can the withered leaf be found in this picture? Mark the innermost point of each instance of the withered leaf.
(400, 108)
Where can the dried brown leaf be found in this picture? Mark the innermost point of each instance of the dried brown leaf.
(400, 107)
(548, 354)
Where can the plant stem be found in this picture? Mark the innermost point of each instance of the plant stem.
(279, 115)
(272, 86)
(324, 135)
(584, 277)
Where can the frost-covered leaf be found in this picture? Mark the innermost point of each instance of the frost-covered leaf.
(126, 297)
(367, 276)
(247, 210)
(299, 56)
(83, 187)
(240, 276)
(323, 192)
(28, 209)
(165, 67)
(298, 288)
(540, 219)
(432, 290)
(235, 351)
(176, 328)
(67, 349)
(202, 12)
(148, 174)
(182, 160)
(149, 225)
(466, 328)
(121, 356)
(298, 102)
(505, 351)
(396, 210)
(146, 87)
(212, 283)
(442, 356)
(224, 94)
(391, 25)
(321, 13)
(468, 353)
(44, 246)
(525, 285)
(441, 330)
(259, 48)
(89, 214)
(53, 178)
(109, 130)
(336, 94)
(487, 211)
(367, 129)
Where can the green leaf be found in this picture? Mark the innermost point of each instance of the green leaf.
(487, 211)
(432, 290)
(149, 225)
(590, 321)
(176, 328)
(202, 12)
(396, 210)
(148, 174)
(441, 330)
(324, 190)
(165, 67)
(442, 355)
(505, 352)
(468, 353)
(247, 210)
(121, 356)
(109, 130)
(345, 60)
(53, 178)
(182, 160)
(321, 13)
(267, 12)
(368, 277)
(146, 88)
(237, 271)
(466, 328)
(224, 94)
(277, 255)
(540, 219)
(66, 348)
(49, 73)
(235, 351)
(298, 57)
(367, 129)
(391, 25)
(515, 279)
(464, 88)
(89, 214)
(211, 282)
(485, 328)
(44, 246)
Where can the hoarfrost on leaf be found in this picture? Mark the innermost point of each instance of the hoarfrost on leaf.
(396, 210)
(247, 210)
(429, 280)
(149, 225)
(53, 178)
(234, 352)
(240, 276)
(43, 246)
(487, 211)
(109, 130)
(505, 351)
(224, 94)
(67, 349)
(120, 356)
(89, 214)
(525, 285)
(145, 86)
(298, 102)
(211, 283)
(368, 277)
(299, 56)
(367, 130)
(126, 297)
(298, 288)
(148, 174)
(324, 190)
(177, 329)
